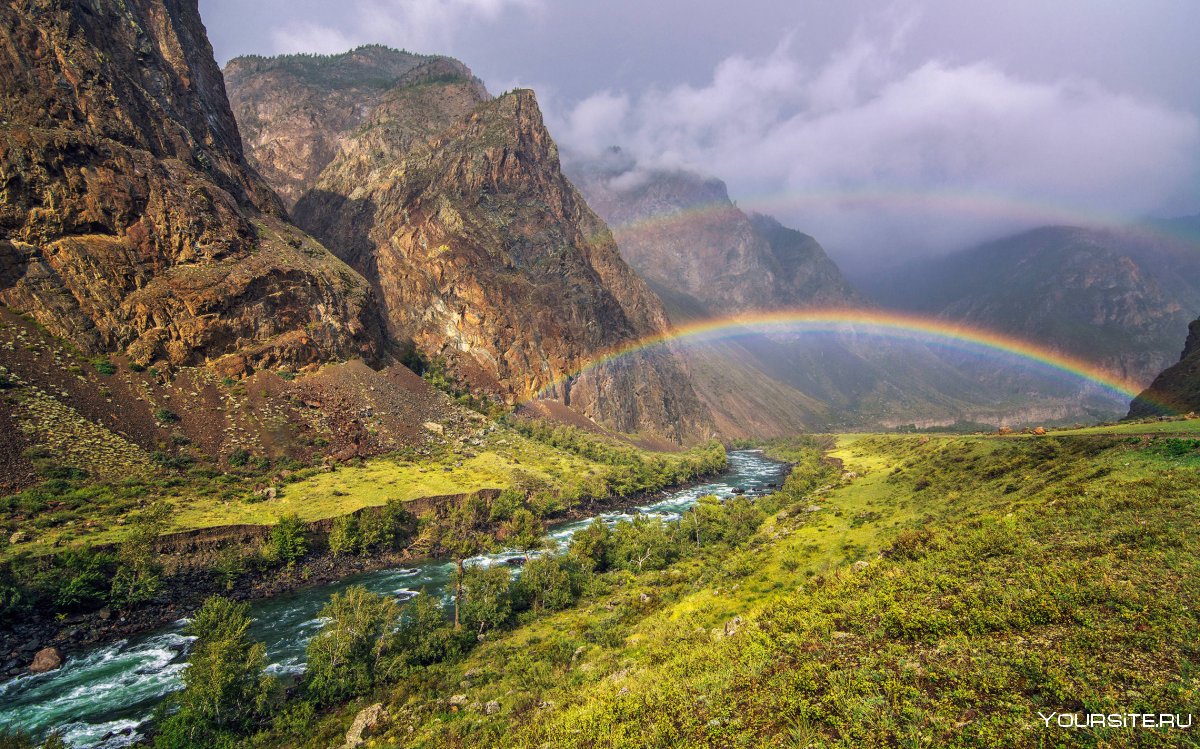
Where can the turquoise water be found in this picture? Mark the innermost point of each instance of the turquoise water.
(100, 698)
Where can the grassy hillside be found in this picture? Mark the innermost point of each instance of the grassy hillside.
(70, 507)
(937, 591)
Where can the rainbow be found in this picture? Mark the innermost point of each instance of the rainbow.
(867, 321)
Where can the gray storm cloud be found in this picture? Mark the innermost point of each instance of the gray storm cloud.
(882, 160)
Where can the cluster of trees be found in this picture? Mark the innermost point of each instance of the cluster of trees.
(373, 530)
(88, 578)
(369, 640)
(650, 543)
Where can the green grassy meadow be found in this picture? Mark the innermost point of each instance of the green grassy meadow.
(938, 591)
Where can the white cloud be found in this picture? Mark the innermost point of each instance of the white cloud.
(875, 157)
(416, 25)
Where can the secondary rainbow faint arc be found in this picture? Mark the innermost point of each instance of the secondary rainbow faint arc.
(842, 319)
(993, 205)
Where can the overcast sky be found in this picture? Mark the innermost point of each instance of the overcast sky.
(884, 129)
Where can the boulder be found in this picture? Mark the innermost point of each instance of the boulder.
(491, 708)
(367, 719)
(46, 659)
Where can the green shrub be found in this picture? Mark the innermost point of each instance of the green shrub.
(425, 636)
(344, 538)
(239, 457)
(104, 366)
(552, 582)
(226, 691)
(487, 598)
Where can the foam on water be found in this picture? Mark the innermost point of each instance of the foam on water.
(103, 697)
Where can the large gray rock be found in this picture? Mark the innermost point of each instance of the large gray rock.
(367, 719)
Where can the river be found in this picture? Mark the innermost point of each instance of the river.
(102, 697)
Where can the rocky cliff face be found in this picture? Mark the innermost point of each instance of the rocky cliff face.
(1177, 388)
(130, 221)
(682, 233)
(481, 252)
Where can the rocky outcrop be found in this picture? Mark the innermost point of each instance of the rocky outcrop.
(297, 112)
(130, 221)
(46, 659)
(1176, 390)
(482, 254)
(368, 719)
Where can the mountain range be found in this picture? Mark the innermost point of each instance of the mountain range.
(354, 218)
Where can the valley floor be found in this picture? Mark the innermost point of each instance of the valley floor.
(934, 591)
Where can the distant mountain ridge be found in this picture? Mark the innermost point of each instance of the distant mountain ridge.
(1118, 298)
(710, 260)
(681, 231)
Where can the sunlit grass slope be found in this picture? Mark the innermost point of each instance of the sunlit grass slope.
(942, 594)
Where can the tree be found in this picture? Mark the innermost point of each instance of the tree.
(139, 573)
(591, 545)
(550, 582)
(344, 537)
(424, 637)
(524, 531)
(289, 539)
(225, 690)
(488, 603)
(386, 527)
(462, 536)
(345, 656)
(644, 543)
